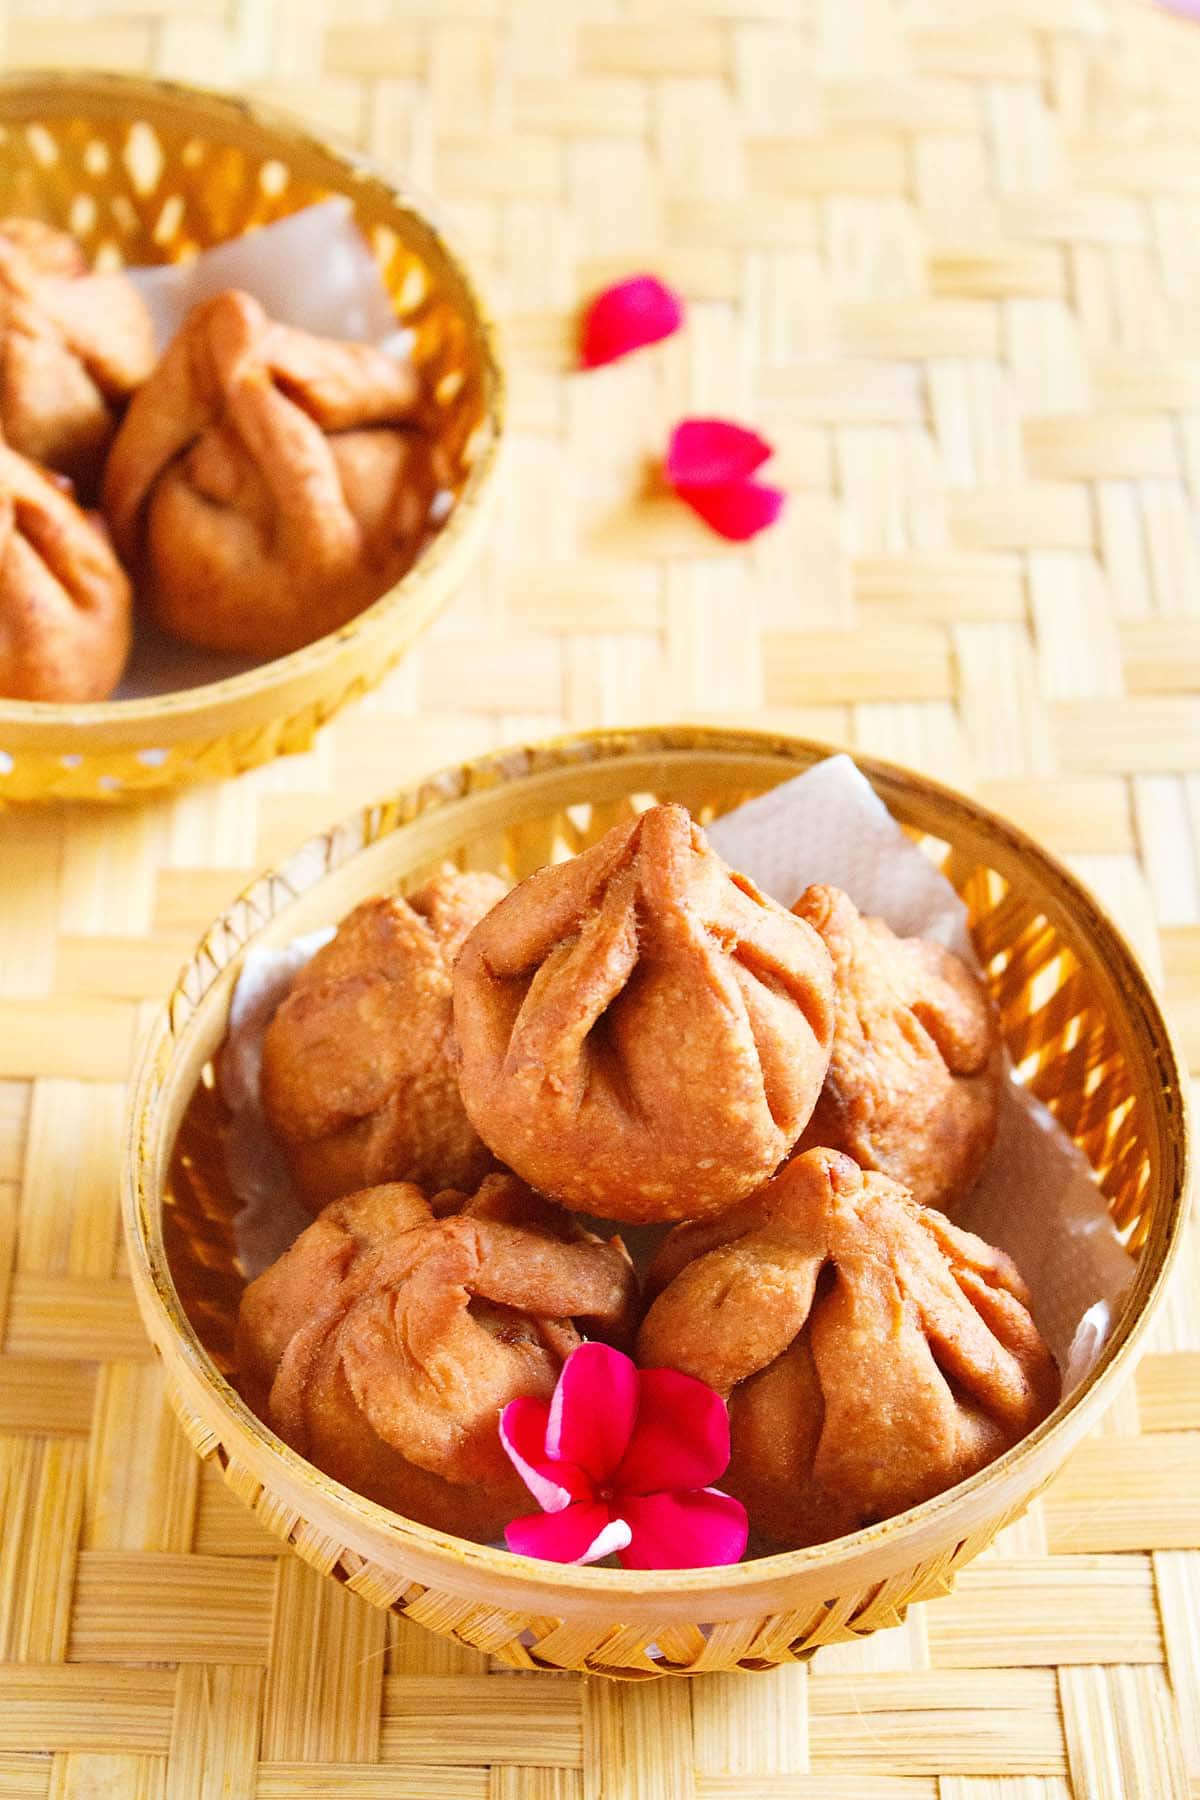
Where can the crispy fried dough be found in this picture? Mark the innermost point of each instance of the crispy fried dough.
(73, 346)
(64, 598)
(266, 483)
(913, 1088)
(872, 1353)
(643, 1034)
(385, 1342)
(358, 1082)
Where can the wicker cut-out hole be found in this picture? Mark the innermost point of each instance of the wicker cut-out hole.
(166, 226)
(81, 219)
(143, 157)
(384, 244)
(413, 290)
(475, 444)
(43, 145)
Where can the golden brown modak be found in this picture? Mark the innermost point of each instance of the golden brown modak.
(872, 1353)
(73, 346)
(384, 1344)
(358, 1079)
(268, 484)
(642, 1033)
(913, 1088)
(64, 598)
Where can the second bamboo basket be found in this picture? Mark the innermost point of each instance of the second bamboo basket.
(148, 171)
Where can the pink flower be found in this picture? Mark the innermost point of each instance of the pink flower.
(620, 1461)
(626, 316)
(710, 463)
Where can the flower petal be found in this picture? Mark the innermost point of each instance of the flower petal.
(593, 1410)
(706, 451)
(642, 310)
(697, 1530)
(553, 1485)
(736, 510)
(615, 1536)
(582, 1534)
(681, 1439)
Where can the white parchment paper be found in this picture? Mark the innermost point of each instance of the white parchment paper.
(270, 1216)
(1037, 1198)
(313, 269)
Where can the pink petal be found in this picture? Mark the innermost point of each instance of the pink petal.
(593, 1410)
(553, 1485)
(697, 1530)
(1187, 9)
(681, 1439)
(581, 1534)
(736, 510)
(706, 451)
(626, 316)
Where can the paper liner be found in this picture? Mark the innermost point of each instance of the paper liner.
(270, 1216)
(313, 269)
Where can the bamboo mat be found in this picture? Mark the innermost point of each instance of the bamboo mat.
(946, 254)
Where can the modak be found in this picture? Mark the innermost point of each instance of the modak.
(267, 484)
(73, 347)
(383, 1345)
(64, 598)
(872, 1354)
(642, 1033)
(358, 1079)
(914, 1080)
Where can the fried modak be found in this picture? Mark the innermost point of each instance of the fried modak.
(64, 598)
(73, 346)
(358, 1079)
(913, 1089)
(642, 1033)
(872, 1354)
(384, 1344)
(268, 484)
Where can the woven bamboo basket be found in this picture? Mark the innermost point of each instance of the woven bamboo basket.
(1082, 1027)
(150, 171)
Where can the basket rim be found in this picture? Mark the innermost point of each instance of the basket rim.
(278, 671)
(454, 785)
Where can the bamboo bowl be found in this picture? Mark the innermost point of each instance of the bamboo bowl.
(1081, 1024)
(150, 171)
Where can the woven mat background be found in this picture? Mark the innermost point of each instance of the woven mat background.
(946, 253)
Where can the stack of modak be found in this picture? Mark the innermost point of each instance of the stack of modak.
(257, 485)
(639, 1035)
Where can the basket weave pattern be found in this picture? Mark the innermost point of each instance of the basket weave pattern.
(1093, 1062)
